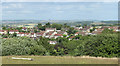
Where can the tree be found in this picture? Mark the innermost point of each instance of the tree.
(35, 30)
(105, 45)
(71, 30)
(4, 36)
(57, 26)
(4, 28)
(106, 30)
(78, 25)
(48, 25)
(19, 29)
(78, 36)
(21, 46)
(65, 25)
(40, 27)
(84, 25)
(14, 34)
(60, 40)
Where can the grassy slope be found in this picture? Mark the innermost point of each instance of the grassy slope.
(57, 60)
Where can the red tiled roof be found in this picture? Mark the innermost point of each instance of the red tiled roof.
(58, 34)
(99, 30)
(32, 33)
(72, 37)
(114, 27)
(13, 31)
(50, 33)
(24, 28)
(83, 33)
(77, 33)
(21, 33)
(3, 30)
(41, 33)
(26, 33)
(96, 32)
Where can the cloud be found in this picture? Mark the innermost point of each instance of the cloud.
(60, 0)
(16, 5)
(51, 10)
(60, 11)
(18, 12)
(12, 5)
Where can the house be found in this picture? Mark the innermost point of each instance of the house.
(62, 32)
(50, 34)
(27, 34)
(96, 32)
(99, 30)
(65, 29)
(76, 28)
(13, 31)
(33, 35)
(115, 28)
(16, 31)
(71, 37)
(58, 35)
(91, 33)
(80, 33)
(86, 29)
(21, 34)
(80, 27)
(103, 27)
(3, 31)
(41, 33)
(52, 42)
(50, 29)
(77, 33)
(24, 29)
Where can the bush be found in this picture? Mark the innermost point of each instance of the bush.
(21, 46)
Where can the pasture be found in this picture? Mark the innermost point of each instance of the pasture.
(59, 60)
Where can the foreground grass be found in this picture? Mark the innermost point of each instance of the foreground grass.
(58, 60)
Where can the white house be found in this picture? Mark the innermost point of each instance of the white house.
(21, 34)
(77, 33)
(58, 35)
(52, 42)
(41, 33)
(3, 31)
(24, 29)
(50, 29)
(62, 32)
(33, 35)
(50, 34)
(13, 31)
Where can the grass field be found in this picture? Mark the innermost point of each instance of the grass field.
(58, 60)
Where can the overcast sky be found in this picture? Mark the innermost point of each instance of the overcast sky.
(59, 10)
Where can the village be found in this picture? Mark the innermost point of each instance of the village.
(53, 33)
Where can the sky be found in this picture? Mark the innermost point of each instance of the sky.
(59, 10)
(60, 0)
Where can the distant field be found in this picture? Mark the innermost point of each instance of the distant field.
(58, 60)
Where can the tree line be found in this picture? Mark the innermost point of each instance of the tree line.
(102, 45)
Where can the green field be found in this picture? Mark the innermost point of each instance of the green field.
(58, 60)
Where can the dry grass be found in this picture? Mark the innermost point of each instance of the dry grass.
(59, 60)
